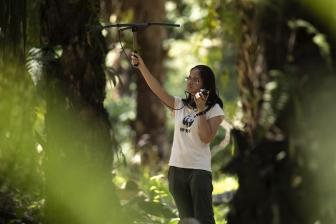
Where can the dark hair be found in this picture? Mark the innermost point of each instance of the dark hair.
(209, 83)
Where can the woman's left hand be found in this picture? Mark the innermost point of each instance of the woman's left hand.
(200, 101)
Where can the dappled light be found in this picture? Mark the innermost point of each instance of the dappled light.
(89, 129)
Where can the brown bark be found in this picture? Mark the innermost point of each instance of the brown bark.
(79, 150)
(274, 185)
(150, 121)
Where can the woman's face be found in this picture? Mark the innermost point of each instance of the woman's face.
(194, 82)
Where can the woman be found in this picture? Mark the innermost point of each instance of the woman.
(197, 119)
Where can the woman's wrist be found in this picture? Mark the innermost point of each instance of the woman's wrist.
(200, 113)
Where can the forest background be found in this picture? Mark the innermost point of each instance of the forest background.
(83, 139)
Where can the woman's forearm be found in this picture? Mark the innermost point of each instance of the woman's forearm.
(204, 129)
(152, 82)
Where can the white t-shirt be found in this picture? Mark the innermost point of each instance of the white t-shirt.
(188, 151)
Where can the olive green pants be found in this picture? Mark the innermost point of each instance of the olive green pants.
(192, 192)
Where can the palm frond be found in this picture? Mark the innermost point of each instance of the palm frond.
(38, 57)
(34, 64)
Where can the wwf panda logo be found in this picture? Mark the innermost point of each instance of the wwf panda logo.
(188, 120)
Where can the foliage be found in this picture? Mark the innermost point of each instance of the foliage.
(122, 113)
(79, 141)
(286, 94)
(312, 144)
(200, 41)
(317, 37)
(284, 58)
(23, 110)
(21, 199)
(20, 160)
(197, 41)
(203, 43)
(144, 196)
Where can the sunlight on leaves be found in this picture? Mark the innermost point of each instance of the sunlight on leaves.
(225, 184)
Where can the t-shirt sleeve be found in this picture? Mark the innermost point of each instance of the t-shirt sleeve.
(215, 111)
(177, 105)
(178, 102)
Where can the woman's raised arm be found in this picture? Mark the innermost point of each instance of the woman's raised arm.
(152, 82)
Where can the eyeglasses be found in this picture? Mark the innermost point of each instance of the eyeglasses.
(193, 80)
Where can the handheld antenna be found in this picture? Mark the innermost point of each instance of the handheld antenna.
(136, 27)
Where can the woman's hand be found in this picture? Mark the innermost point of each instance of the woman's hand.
(137, 60)
(152, 82)
(200, 101)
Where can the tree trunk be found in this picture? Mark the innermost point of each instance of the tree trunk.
(79, 152)
(277, 68)
(150, 120)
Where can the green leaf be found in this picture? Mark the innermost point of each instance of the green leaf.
(156, 209)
